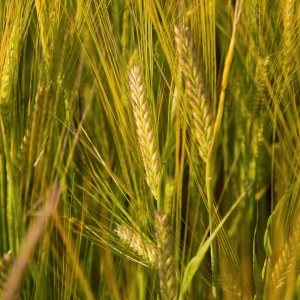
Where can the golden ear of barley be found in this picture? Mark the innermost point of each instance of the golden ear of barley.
(284, 271)
(144, 128)
(201, 111)
(165, 258)
(137, 244)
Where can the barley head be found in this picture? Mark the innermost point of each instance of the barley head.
(145, 130)
(5, 266)
(141, 247)
(165, 257)
(201, 111)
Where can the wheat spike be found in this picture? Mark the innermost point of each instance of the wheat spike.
(5, 266)
(284, 270)
(31, 133)
(137, 244)
(165, 258)
(5, 82)
(259, 105)
(288, 19)
(201, 111)
(144, 128)
(231, 288)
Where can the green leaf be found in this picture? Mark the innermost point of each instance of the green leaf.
(195, 262)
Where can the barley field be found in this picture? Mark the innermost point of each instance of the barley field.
(149, 149)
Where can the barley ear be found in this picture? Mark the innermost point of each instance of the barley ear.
(145, 130)
(288, 19)
(165, 258)
(5, 266)
(284, 271)
(137, 244)
(6, 82)
(201, 111)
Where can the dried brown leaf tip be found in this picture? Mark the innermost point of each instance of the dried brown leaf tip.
(165, 257)
(201, 111)
(144, 128)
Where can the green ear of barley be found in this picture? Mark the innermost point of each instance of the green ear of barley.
(201, 111)
(144, 128)
(258, 110)
(5, 83)
(261, 74)
(27, 151)
(165, 258)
